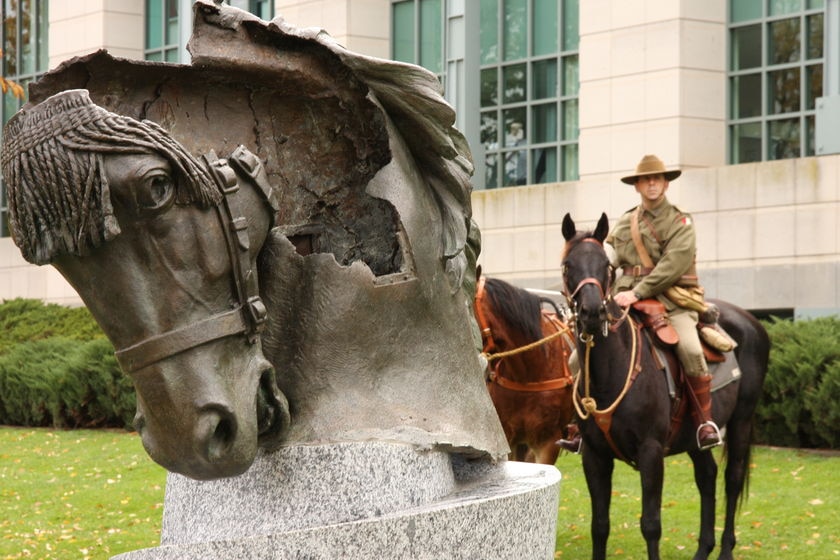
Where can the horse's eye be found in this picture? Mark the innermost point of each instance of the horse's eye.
(157, 191)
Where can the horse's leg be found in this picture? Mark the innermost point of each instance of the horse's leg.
(705, 477)
(651, 465)
(520, 452)
(598, 470)
(738, 438)
(547, 453)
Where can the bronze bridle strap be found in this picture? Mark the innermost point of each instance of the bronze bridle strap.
(489, 345)
(248, 317)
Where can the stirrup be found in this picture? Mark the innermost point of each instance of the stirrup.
(717, 432)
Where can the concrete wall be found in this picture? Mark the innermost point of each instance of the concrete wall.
(359, 25)
(79, 28)
(768, 233)
(652, 80)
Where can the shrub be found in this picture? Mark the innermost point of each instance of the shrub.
(63, 383)
(800, 406)
(25, 320)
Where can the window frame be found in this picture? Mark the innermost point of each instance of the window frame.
(768, 118)
(501, 159)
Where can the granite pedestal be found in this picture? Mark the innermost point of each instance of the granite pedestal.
(362, 501)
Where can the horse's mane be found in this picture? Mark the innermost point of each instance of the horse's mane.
(52, 160)
(413, 99)
(520, 308)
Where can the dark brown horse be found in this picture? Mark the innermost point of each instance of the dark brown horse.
(629, 413)
(528, 349)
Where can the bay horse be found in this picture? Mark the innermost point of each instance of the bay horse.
(628, 413)
(529, 381)
(274, 237)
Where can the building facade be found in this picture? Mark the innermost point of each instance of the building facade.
(560, 98)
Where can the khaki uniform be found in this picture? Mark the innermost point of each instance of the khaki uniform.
(669, 237)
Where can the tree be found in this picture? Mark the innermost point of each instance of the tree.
(10, 86)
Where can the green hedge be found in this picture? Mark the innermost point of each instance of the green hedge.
(800, 406)
(58, 369)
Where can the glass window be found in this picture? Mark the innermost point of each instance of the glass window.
(571, 23)
(515, 29)
(782, 7)
(744, 10)
(785, 41)
(515, 86)
(25, 58)
(746, 142)
(775, 77)
(744, 103)
(430, 33)
(544, 118)
(814, 39)
(544, 78)
(545, 27)
(529, 91)
(417, 33)
(402, 46)
(784, 87)
(746, 47)
(489, 32)
(163, 37)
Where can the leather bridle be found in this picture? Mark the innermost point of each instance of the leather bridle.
(604, 294)
(248, 316)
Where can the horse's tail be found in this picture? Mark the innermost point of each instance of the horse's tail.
(745, 489)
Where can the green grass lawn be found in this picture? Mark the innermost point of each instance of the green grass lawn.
(81, 494)
(92, 494)
(793, 510)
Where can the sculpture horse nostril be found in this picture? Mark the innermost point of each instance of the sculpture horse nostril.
(216, 432)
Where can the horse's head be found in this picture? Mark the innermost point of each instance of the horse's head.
(587, 275)
(162, 249)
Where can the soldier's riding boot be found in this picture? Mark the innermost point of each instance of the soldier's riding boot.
(708, 434)
(573, 442)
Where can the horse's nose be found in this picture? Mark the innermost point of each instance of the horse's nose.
(215, 433)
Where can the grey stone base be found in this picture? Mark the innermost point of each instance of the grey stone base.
(362, 501)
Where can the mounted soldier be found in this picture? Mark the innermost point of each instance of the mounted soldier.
(655, 249)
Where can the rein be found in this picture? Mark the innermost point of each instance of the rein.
(489, 345)
(585, 405)
(248, 317)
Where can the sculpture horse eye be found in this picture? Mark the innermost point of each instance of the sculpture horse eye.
(156, 192)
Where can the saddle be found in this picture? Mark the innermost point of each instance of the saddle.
(714, 340)
(652, 314)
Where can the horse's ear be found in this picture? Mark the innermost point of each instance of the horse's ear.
(477, 272)
(602, 229)
(569, 230)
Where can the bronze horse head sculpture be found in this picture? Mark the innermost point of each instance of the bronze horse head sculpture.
(307, 287)
(123, 227)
